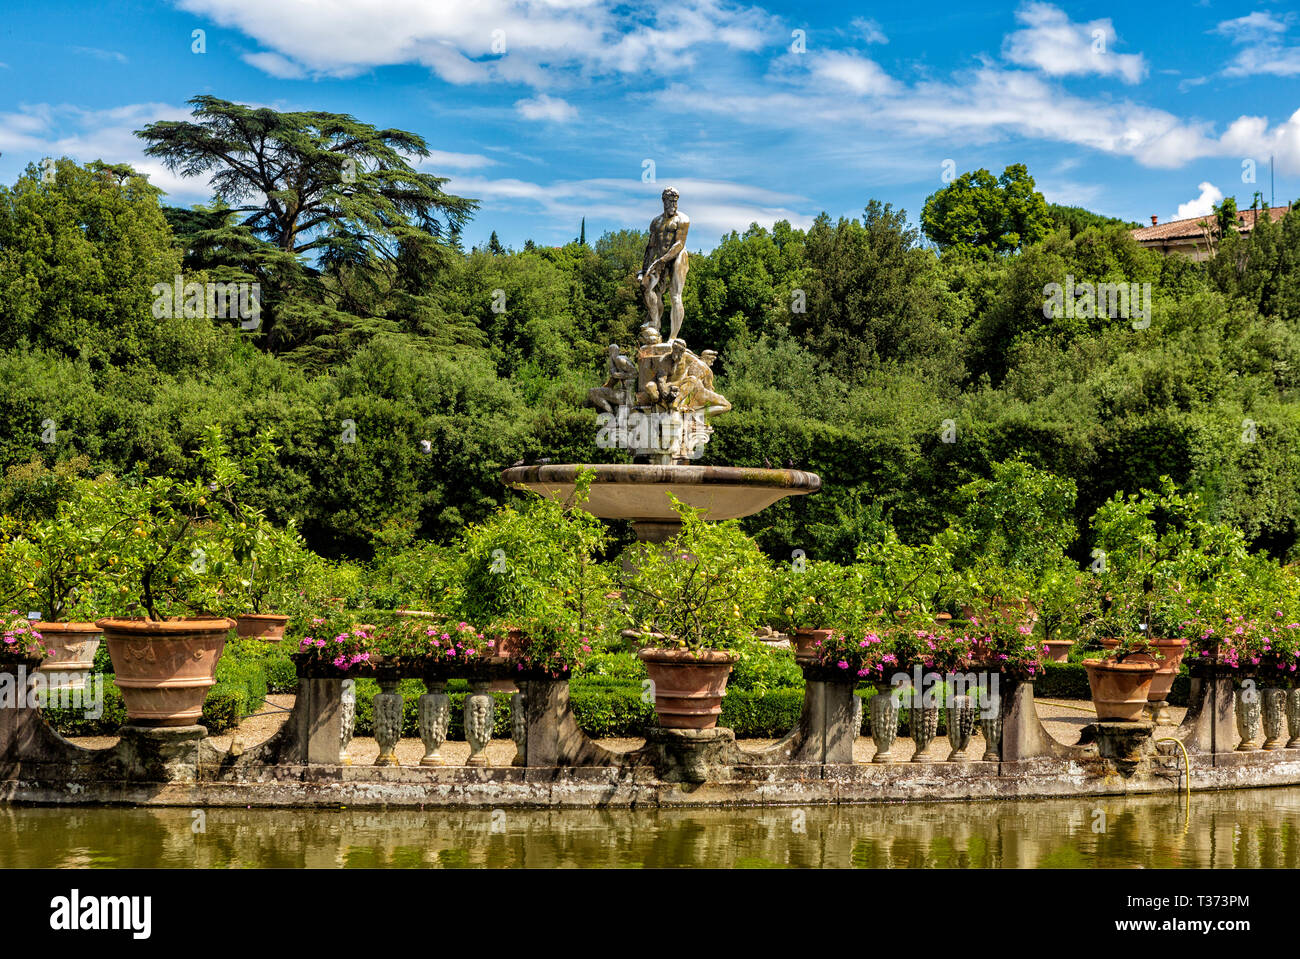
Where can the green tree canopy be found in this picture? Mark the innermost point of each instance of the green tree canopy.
(979, 212)
(323, 192)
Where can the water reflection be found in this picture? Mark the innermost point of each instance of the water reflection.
(1230, 829)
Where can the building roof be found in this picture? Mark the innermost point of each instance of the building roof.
(1191, 228)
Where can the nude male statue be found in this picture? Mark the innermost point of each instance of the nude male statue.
(614, 391)
(665, 264)
(654, 367)
(694, 380)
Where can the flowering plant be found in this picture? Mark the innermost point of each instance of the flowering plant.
(554, 646)
(1232, 639)
(337, 641)
(1006, 642)
(869, 656)
(1280, 647)
(18, 640)
(443, 643)
(949, 648)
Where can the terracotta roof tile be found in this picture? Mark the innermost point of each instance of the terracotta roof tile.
(1191, 228)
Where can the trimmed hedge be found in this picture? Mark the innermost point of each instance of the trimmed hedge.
(604, 708)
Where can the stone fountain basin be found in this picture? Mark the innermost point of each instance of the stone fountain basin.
(639, 492)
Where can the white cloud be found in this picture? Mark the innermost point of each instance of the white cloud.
(41, 130)
(1056, 45)
(985, 105)
(714, 206)
(277, 66)
(544, 107)
(99, 54)
(869, 30)
(1072, 193)
(518, 41)
(1252, 28)
(445, 160)
(1260, 35)
(855, 73)
(1203, 205)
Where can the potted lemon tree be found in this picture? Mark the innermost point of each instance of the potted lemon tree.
(163, 641)
(57, 563)
(531, 579)
(809, 600)
(696, 601)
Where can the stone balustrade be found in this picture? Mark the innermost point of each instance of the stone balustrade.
(1235, 734)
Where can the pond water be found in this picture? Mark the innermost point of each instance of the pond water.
(1227, 829)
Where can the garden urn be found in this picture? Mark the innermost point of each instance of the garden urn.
(688, 686)
(806, 641)
(72, 648)
(165, 667)
(267, 627)
(1120, 688)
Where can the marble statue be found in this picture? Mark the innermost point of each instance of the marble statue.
(658, 404)
(619, 385)
(665, 264)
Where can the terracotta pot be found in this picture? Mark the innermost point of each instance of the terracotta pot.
(164, 669)
(1058, 650)
(805, 643)
(1120, 689)
(72, 650)
(510, 646)
(268, 627)
(688, 686)
(1172, 650)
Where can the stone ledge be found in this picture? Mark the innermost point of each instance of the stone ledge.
(571, 787)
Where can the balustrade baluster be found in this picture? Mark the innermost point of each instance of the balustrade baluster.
(961, 723)
(1247, 708)
(347, 718)
(884, 724)
(1293, 717)
(478, 723)
(388, 721)
(1274, 710)
(435, 716)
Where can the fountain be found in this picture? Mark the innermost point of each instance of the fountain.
(658, 406)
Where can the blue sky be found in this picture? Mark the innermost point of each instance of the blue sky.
(550, 110)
